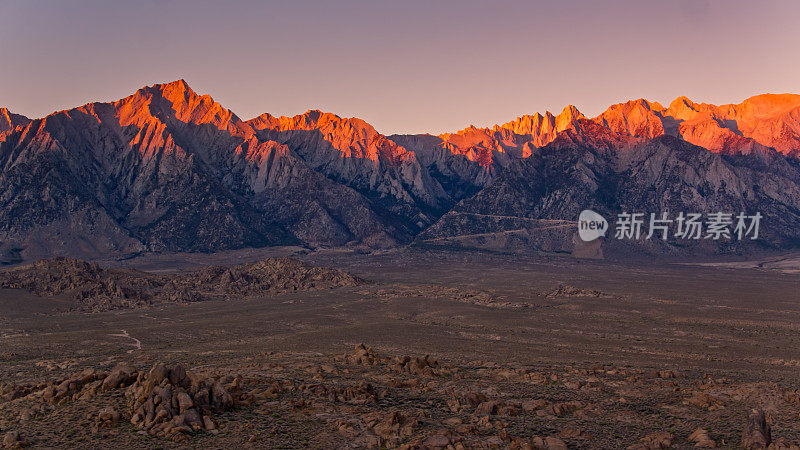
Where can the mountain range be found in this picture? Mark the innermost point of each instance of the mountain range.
(170, 170)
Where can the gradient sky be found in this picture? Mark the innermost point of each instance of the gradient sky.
(410, 66)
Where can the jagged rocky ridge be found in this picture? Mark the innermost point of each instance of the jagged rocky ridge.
(167, 169)
(95, 289)
(533, 204)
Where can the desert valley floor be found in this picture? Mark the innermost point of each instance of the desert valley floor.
(435, 349)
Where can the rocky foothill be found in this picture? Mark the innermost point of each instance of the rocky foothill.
(96, 289)
(166, 402)
(565, 290)
(400, 292)
(367, 398)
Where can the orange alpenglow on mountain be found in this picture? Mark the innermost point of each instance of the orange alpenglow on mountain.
(351, 137)
(168, 169)
(768, 120)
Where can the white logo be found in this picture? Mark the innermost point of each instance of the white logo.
(591, 225)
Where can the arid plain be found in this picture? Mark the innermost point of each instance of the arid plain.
(460, 350)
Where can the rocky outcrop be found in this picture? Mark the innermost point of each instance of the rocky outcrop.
(95, 289)
(757, 434)
(173, 402)
(170, 402)
(376, 398)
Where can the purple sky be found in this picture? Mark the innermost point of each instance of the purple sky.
(410, 66)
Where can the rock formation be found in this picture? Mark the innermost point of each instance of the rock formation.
(95, 289)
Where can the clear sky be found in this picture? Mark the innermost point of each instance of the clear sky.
(404, 66)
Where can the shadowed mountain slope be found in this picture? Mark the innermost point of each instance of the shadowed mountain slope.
(167, 169)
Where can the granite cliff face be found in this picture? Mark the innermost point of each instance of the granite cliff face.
(470, 159)
(9, 120)
(767, 120)
(167, 169)
(351, 152)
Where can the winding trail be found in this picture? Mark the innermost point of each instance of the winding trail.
(137, 344)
